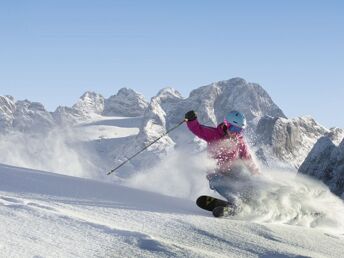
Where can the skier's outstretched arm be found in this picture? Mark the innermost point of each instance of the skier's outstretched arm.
(204, 132)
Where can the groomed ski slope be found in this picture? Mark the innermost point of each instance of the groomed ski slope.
(49, 215)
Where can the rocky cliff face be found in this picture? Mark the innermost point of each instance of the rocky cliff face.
(326, 162)
(287, 140)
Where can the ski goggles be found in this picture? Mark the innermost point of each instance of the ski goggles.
(233, 128)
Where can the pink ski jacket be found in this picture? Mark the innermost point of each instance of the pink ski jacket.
(222, 148)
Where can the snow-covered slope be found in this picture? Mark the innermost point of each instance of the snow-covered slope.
(326, 162)
(49, 215)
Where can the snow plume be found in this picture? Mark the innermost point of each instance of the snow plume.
(180, 174)
(286, 198)
(53, 151)
(278, 197)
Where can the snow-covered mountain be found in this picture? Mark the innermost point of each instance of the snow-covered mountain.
(90, 103)
(125, 103)
(326, 162)
(65, 116)
(23, 115)
(32, 116)
(29, 116)
(76, 140)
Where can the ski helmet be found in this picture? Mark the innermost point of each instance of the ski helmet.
(235, 118)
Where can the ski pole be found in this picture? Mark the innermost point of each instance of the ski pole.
(137, 153)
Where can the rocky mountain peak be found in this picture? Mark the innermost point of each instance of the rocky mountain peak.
(31, 116)
(126, 102)
(90, 102)
(219, 98)
(168, 93)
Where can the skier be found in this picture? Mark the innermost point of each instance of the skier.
(226, 144)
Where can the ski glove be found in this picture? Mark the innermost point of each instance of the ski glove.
(190, 116)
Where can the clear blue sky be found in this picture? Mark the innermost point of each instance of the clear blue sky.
(53, 51)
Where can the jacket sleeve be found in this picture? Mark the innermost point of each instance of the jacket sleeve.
(204, 132)
(248, 160)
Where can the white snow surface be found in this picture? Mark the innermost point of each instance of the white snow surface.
(50, 215)
(102, 127)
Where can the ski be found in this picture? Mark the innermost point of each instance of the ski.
(209, 203)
